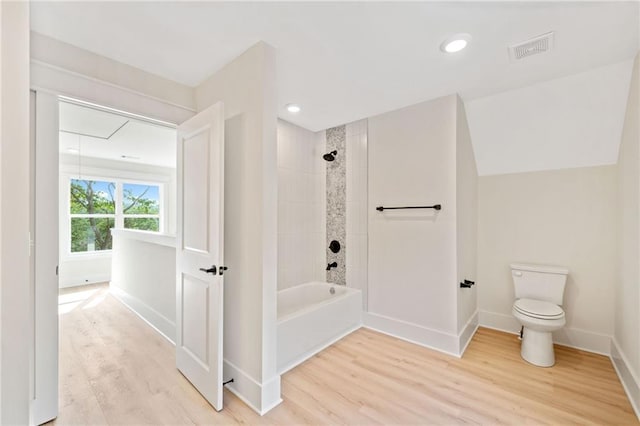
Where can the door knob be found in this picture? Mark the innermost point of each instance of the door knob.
(213, 270)
(222, 269)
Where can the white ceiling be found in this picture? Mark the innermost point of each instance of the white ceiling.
(95, 133)
(346, 61)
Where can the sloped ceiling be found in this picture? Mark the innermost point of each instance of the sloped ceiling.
(574, 121)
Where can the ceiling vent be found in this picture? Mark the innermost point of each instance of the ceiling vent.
(540, 44)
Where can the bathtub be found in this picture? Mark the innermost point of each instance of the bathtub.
(310, 318)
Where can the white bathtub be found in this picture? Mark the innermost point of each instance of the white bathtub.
(310, 318)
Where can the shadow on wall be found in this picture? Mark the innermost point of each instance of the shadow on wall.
(412, 216)
(571, 295)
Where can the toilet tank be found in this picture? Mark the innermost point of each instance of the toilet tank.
(539, 282)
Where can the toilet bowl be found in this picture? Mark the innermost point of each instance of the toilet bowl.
(539, 294)
(539, 320)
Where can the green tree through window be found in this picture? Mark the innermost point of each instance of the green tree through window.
(92, 209)
(141, 206)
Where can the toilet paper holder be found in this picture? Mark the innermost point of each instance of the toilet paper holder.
(467, 284)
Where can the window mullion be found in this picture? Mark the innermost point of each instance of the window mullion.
(162, 213)
(119, 198)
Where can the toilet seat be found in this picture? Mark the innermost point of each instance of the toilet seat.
(538, 309)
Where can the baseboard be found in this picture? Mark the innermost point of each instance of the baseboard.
(496, 321)
(318, 349)
(629, 380)
(159, 322)
(261, 398)
(413, 333)
(583, 340)
(93, 279)
(571, 337)
(467, 333)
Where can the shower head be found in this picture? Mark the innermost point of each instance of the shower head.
(330, 156)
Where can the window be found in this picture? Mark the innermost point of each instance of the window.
(141, 206)
(92, 215)
(96, 206)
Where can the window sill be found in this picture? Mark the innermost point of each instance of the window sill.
(80, 256)
(145, 236)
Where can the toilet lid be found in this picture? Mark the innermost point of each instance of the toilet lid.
(538, 308)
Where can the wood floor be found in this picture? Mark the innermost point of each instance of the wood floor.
(115, 369)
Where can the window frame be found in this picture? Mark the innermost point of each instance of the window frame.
(118, 216)
(123, 216)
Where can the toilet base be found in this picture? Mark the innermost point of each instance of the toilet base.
(537, 348)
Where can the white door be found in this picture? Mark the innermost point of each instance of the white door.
(199, 292)
(44, 406)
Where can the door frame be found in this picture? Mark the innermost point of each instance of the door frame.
(40, 204)
(44, 257)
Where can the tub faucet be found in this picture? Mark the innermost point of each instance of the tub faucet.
(332, 265)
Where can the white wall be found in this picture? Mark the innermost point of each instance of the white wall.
(78, 73)
(574, 121)
(144, 277)
(301, 206)
(562, 217)
(84, 269)
(626, 337)
(412, 253)
(466, 225)
(79, 269)
(357, 213)
(247, 88)
(16, 304)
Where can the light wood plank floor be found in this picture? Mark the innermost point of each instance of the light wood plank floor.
(115, 369)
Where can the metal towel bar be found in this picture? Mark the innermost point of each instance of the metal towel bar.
(435, 207)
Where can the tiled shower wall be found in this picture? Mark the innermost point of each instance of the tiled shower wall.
(319, 201)
(356, 206)
(301, 205)
(347, 204)
(336, 203)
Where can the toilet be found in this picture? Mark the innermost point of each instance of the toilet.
(539, 293)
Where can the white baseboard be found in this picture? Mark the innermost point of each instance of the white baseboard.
(629, 380)
(584, 340)
(88, 280)
(465, 336)
(501, 322)
(155, 319)
(260, 397)
(429, 338)
(572, 337)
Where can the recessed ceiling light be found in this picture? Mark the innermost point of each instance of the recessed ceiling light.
(293, 108)
(455, 43)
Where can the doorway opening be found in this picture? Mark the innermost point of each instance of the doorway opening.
(116, 170)
(96, 170)
(110, 191)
